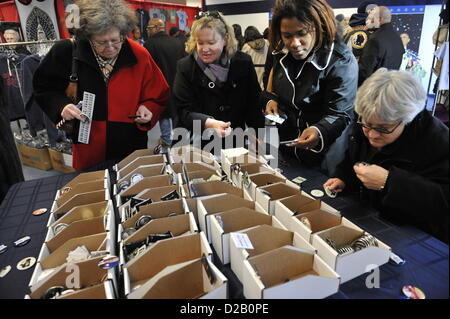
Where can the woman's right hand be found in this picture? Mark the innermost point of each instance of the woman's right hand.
(272, 107)
(70, 112)
(223, 129)
(334, 184)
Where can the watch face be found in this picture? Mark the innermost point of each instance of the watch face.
(53, 292)
(135, 178)
(144, 219)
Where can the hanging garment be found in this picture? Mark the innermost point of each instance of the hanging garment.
(182, 20)
(10, 70)
(442, 54)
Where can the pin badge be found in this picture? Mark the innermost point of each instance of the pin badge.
(59, 228)
(330, 192)
(317, 193)
(396, 260)
(39, 211)
(26, 263)
(22, 241)
(53, 292)
(413, 292)
(135, 178)
(144, 219)
(127, 233)
(3, 248)
(5, 271)
(108, 262)
(299, 180)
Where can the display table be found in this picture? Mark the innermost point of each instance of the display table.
(426, 258)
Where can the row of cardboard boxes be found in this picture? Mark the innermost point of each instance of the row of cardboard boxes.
(45, 158)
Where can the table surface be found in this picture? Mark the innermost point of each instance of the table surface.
(426, 257)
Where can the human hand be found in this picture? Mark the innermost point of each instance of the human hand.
(334, 184)
(223, 129)
(70, 112)
(272, 108)
(308, 139)
(372, 176)
(145, 115)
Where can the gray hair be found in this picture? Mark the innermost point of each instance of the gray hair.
(99, 16)
(391, 96)
(385, 14)
(12, 32)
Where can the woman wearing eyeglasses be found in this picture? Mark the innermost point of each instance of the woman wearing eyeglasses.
(216, 86)
(313, 80)
(397, 154)
(122, 75)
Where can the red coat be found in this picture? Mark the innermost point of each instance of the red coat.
(136, 80)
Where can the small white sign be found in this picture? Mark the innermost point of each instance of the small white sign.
(275, 118)
(242, 241)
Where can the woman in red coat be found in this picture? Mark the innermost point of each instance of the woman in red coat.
(122, 75)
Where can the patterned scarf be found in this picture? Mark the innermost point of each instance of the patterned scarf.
(216, 71)
(105, 65)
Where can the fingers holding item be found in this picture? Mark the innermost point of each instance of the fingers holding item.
(308, 139)
(272, 108)
(70, 112)
(334, 184)
(145, 115)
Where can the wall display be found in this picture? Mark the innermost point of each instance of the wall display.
(408, 21)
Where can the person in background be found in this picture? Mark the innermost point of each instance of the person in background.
(178, 34)
(238, 35)
(266, 34)
(313, 79)
(384, 49)
(136, 36)
(257, 47)
(165, 51)
(216, 85)
(12, 36)
(130, 90)
(357, 35)
(398, 155)
(405, 40)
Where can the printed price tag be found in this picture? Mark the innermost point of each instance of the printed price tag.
(87, 110)
(242, 241)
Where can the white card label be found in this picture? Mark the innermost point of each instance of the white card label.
(242, 241)
(275, 118)
(87, 110)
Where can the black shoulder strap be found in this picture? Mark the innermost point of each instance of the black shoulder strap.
(74, 71)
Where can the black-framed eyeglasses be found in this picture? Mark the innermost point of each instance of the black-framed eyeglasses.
(381, 130)
(105, 44)
(212, 14)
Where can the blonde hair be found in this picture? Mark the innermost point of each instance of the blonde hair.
(215, 24)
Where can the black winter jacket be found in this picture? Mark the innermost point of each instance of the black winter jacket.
(237, 101)
(417, 190)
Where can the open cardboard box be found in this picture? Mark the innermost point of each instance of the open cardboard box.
(205, 175)
(89, 274)
(238, 155)
(213, 188)
(277, 191)
(253, 168)
(83, 212)
(78, 200)
(103, 290)
(352, 265)
(146, 183)
(287, 207)
(263, 238)
(207, 207)
(235, 220)
(264, 179)
(80, 188)
(164, 253)
(49, 259)
(288, 273)
(191, 154)
(130, 158)
(178, 225)
(160, 210)
(195, 167)
(88, 177)
(195, 278)
(140, 161)
(145, 171)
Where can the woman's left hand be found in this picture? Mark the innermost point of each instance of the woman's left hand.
(372, 176)
(144, 114)
(307, 140)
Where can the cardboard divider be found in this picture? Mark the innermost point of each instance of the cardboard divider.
(58, 257)
(288, 272)
(277, 191)
(190, 154)
(262, 179)
(101, 291)
(144, 170)
(82, 199)
(146, 183)
(241, 156)
(164, 253)
(89, 273)
(144, 160)
(216, 187)
(130, 158)
(194, 167)
(81, 188)
(84, 212)
(201, 174)
(193, 275)
(85, 177)
(319, 220)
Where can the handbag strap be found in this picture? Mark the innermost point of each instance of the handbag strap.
(72, 87)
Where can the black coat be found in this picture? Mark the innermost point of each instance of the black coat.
(417, 190)
(236, 101)
(166, 51)
(383, 50)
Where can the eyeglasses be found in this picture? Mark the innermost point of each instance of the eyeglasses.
(212, 14)
(381, 130)
(151, 27)
(105, 44)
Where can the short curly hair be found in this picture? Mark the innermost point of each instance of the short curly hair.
(99, 16)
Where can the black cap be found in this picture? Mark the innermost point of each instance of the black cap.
(363, 5)
(173, 30)
(357, 19)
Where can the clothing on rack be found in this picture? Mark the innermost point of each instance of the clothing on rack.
(10, 69)
(442, 53)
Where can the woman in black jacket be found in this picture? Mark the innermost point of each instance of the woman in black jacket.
(216, 86)
(313, 79)
(397, 154)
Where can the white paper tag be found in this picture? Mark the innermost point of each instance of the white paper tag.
(274, 118)
(242, 241)
(88, 110)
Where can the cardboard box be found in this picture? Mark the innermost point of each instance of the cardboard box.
(235, 220)
(238, 155)
(352, 265)
(208, 189)
(61, 162)
(288, 273)
(89, 273)
(194, 167)
(277, 191)
(146, 171)
(136, 154)
(78, 200)
(248, 169)
(202, 174)
(191, 154)
(146, 183)
(195, 278)
(208, 207)
(82, 212)
(162, 254)
(88, 177)
(80, 188)
(35, 157)
(264, 179)
(104, 290)
(263, 238)
(140, 161)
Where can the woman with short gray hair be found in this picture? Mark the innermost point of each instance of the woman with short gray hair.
(398, 154)
(130, 90)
